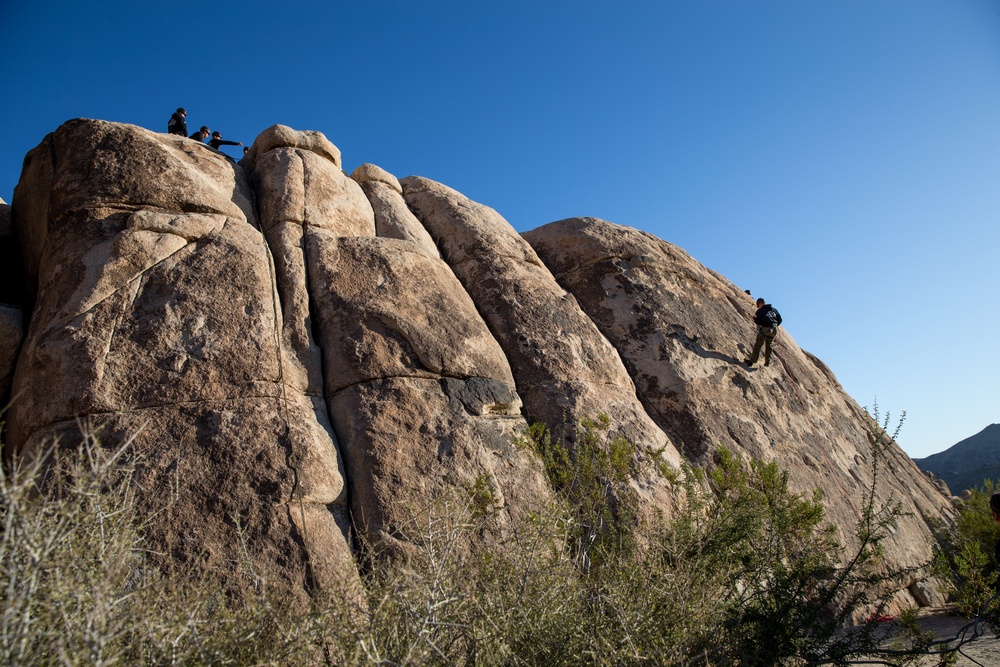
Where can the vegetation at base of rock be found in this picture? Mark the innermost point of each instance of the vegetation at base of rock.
(591, 473)
(967, 559)
(744, 573)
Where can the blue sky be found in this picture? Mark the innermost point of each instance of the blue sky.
(840, 157)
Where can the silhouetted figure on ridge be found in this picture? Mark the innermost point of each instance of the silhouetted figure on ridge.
(177, 124)
(217, 141)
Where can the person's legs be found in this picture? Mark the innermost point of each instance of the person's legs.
(768, 340)
(752, 359)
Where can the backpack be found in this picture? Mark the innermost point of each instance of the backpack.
(173, 124)
(773, 316)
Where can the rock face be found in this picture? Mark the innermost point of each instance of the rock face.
(564, 368)
(420, 395)
(157, 317)
(683, 332)
(307, 356)
(966, 464)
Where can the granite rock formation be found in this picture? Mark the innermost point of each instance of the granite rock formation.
(683, 331)
(308, 355)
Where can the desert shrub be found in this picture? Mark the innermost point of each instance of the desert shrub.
(77, 588)
(590, 473)
(744, 572)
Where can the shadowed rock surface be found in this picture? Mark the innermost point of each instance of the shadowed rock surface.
(11, 294)
(303, 354)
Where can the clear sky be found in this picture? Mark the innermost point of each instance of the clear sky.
(839, 157)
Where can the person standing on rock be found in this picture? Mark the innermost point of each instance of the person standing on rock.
(217, 141)
(201, 134)
(767, 318)
(177, 124)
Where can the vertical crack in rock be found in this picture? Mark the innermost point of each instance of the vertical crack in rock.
(421, 395)
(286, 173)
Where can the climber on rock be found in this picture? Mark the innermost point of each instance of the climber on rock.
(177, 124)
(217, 141)
(767, 320)
(201, 134)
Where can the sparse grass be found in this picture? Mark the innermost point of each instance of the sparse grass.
(744, 573)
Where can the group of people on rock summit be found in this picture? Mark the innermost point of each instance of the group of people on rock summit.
(178, 125)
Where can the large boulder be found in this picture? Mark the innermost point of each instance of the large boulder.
(421, 397)
(393, 218)
(157, 319)
(683, 331)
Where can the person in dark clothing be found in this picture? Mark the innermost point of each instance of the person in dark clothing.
(217, 141)
(201, 134)
(767, 320)
(177, 124)
(995, 506)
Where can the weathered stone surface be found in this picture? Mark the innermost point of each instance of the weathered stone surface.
(361, 353)
(11, 335)
(209, 470)
(410, 440)
(393, 219)
(372, 173)
(564, 368)
(683, 331)
(299, 193)
(147, 308)
(388, 310)
(157, 317)
(421, 394)
(295, 185)
(278, 136)
(124, 167)
(382, 309)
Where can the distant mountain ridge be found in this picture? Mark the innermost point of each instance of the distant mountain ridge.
(966, 464)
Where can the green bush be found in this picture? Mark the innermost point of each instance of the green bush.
(967, 559)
